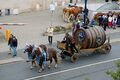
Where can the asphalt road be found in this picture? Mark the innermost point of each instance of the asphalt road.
(21, 70)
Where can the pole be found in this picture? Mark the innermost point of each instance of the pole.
(52, 9)
(52, 18)
(71, 1)
(53, 2)
(85, 13)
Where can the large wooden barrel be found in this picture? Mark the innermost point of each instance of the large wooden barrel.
(90, 38)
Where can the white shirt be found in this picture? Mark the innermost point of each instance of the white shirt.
(110, 19)
(50, 31)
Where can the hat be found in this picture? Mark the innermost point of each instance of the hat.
(26, 44)
(35, 46)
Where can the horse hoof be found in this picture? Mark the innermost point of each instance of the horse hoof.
(40, 71)
(43, 67)
(49, 67)
(31, 67)
(56, 66)
(34, 65)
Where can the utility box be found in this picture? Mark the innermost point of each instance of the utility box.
(15, 11)
(7, 12)
(7, 34)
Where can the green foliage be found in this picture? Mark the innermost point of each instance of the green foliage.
(87, 79)
(115, 74)
(61, 28)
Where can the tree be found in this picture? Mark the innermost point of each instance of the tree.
(115, 74)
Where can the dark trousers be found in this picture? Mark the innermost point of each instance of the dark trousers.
(50, 39)
(104, 27)
(73, 48)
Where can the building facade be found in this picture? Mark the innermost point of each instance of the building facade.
(19, 6)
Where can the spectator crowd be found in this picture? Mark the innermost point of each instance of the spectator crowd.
(110, 21)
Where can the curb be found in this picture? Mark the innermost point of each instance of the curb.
(18, 24)
(11, 60)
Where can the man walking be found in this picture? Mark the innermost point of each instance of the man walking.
(100, 19)
(50, 34)
(14, 46)
(105, 22)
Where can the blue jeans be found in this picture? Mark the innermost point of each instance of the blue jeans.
(14, 51)
(29, 56)
(38, 59)
(44, 57)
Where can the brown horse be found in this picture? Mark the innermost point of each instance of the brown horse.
(29, 50)
(51, 54)
(71, 12)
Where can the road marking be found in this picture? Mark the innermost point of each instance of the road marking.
(73, 69)
(11, 60)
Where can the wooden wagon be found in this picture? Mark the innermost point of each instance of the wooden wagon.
(87, 41)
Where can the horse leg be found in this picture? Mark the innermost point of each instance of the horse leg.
(32, 64)
(40, 70)
(50, 63)
(56, 61)
(41, 66)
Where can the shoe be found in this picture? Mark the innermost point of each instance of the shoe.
(14, 55)
(114, 28)
(27, 60)
(9, 53)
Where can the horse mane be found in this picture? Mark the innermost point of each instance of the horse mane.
(29, 49)
(44, 47)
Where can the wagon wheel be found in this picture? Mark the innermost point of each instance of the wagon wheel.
(70, 18)
(58, 42)
(100, 50)
(66, 16)
(74, 57)
(63, 15)
(62, 55)
(107, 48)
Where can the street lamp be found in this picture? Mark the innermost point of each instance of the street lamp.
(85, 14)
(71, 1)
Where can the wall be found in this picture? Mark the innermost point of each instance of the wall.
(28, 5)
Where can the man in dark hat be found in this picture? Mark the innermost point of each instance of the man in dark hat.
(14, 46)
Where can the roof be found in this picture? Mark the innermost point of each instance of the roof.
(109, 6)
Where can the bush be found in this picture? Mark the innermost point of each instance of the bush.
(115, 74)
